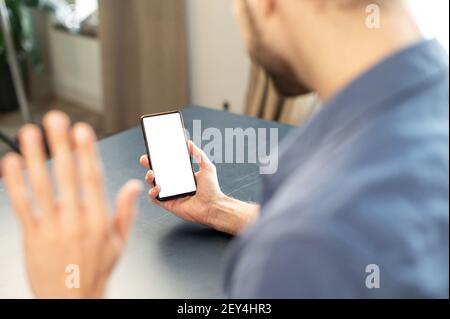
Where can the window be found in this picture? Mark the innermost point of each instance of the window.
(432, 17)
(71, 13)
(85, 8)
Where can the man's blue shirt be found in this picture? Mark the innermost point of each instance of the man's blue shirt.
(363, 184)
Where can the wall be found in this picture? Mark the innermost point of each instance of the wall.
(218, 62)
(144, 59)
(76, 68)
(217, 59)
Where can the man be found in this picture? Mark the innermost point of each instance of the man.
(359, 205)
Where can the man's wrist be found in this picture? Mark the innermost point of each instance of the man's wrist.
(230, 215)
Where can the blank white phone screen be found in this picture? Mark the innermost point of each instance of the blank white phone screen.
(169, 154)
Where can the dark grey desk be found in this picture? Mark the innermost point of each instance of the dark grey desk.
(166, 257)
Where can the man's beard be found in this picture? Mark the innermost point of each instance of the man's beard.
(284, 79)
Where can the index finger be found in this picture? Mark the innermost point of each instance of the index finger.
(144, 161)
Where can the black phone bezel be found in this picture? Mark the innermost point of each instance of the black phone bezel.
(164, 199)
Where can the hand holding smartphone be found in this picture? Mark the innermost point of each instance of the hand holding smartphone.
(169, 161)
(168, 153)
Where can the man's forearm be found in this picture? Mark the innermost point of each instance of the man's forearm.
(231, 216)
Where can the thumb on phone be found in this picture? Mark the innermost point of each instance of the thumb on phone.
(200, 157)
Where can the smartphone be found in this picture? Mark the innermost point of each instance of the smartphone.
(168, 154)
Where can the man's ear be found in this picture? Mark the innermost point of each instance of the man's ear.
(265, 7)
(269, 7)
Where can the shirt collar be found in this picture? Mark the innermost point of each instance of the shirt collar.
(400, 73)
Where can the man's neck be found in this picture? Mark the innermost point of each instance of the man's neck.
(357, 51)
